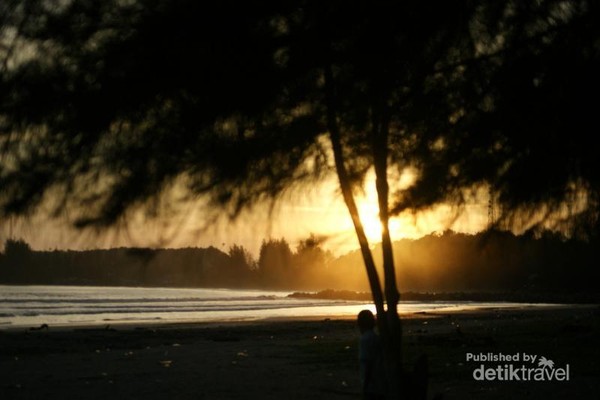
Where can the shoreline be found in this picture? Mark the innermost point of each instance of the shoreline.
(483, 296)
(446, 308)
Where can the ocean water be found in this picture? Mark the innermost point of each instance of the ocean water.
(32, 306)
(22, 306)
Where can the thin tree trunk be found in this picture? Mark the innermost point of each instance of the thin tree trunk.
(380, 126)
(413, 384)
(380, 154)
(346, 188)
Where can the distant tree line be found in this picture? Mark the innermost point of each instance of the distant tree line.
(492, 261)
(277, 267)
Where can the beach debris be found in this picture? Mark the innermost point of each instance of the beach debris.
(166, 363)
(41, 327)
(240, 354)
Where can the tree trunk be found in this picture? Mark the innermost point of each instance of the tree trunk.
(346, 187)
(380, 126)
(411, 385)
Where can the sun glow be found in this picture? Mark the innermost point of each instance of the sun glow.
(368, 209)
(318, 210)
(370, 221)
(414, 225)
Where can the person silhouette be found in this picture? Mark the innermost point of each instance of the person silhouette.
(370, 356)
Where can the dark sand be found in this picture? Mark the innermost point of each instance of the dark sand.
(294, 359)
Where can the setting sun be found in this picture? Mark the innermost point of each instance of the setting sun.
(370, 221)
(369, 214)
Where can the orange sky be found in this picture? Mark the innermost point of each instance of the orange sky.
(319, 210)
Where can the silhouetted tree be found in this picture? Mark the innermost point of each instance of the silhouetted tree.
(16, 248)
(310, 262)
(109, 104)
(241, 258)
(275, 262)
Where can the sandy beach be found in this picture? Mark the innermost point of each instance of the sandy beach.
(296, 359)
